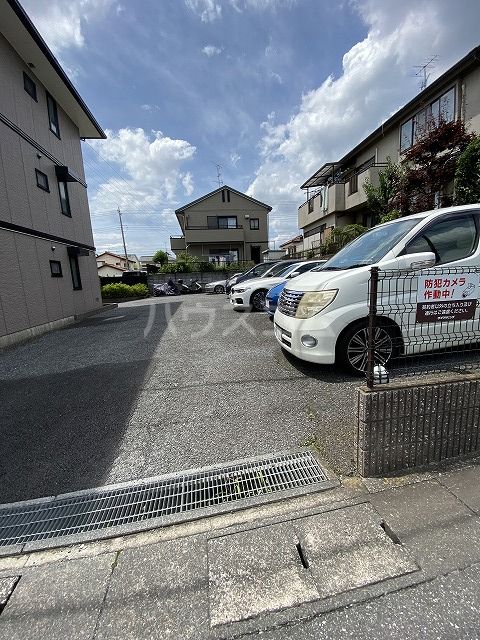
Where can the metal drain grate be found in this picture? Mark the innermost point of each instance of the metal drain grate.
(161, 497)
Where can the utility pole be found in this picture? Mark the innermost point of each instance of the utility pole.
(123, 238)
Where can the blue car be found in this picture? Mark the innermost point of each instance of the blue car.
(271, 299)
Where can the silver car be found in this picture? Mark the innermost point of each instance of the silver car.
(219, 286)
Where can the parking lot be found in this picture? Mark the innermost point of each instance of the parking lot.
(156, 386)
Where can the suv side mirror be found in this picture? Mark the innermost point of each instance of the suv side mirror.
(293, 274)
(416, 261)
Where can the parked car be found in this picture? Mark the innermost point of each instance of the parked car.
(271, 299)
(322, 317)
(219, 286)
(263, 269)
(250, 294)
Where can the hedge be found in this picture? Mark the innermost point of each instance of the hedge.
(120, 290)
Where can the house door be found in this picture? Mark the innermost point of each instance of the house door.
(255, 254)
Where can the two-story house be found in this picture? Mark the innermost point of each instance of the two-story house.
(48, 272)
(223, 226)
(335, 194)
(112, 265)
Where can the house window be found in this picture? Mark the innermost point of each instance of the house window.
(353, 183)
(443, 108)
(53, 115)
(64, 199)
(42, 180)
(225, 195)
(254, 224)
(56, 269)
(310, 205)
(75, 271)
(30, 86)
(225, 222)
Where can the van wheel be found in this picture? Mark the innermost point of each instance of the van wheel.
(258, 300)
(352, 347)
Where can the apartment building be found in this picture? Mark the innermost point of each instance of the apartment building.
(335, 194)
(223, 226)
(48, 271)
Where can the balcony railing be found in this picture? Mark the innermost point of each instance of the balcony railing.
(191, 227)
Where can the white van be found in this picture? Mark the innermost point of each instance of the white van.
(322, 317)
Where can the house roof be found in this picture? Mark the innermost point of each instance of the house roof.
(109, 253)
(21, 33)
(294, 240)
(212, 193)
(471, 60)
(111, 266)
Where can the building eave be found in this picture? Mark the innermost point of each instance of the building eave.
(212, 193)
(22, 35)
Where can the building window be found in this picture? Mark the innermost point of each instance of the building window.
(53, 115)
(42, 180)
(225, 195)
(64, 199)
(75, 271)
(310, 205)
(56, 269)
(254, 224)
(353, 183)
(225, 222)
(443, 108)
(30, 86)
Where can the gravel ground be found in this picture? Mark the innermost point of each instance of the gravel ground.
(157, 386)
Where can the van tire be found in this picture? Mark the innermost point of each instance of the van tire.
(351, 349)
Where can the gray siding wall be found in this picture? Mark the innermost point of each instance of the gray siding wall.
(29, 295)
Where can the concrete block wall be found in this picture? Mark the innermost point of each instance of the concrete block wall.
(416, 423)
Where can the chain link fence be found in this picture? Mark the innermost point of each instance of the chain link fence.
(422, 323)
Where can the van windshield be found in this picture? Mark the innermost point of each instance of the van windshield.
(370, 247)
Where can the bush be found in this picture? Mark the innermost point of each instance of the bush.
(205, 267)
(467, 175)
(122, 290)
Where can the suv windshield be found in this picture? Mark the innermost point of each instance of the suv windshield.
(370, 247)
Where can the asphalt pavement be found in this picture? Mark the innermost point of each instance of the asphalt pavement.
(157, 386)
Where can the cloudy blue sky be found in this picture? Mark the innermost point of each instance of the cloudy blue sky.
(268, 89)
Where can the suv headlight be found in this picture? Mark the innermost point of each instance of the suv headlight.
(313, 302)
(241, 289)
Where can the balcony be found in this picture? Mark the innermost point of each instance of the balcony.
(319, 206)
(354, 191)
(177, 243)
(214, 236)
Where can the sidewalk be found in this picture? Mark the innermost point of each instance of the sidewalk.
(319, 566)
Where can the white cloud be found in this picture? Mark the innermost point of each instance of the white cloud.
(375, 80)
(61, 23)
(207, 10)
(150, 107)
(187, 183)
(234, 158)
(153, 168)
(210, 50)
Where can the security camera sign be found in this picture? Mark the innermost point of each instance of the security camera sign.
(447, 297)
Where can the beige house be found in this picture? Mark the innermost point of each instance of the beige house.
(117, 264)
(48, 272)
(335, 195)
(293, 247)
(223, 226)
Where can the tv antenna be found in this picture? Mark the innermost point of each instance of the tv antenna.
(219, 173)
(424, 71)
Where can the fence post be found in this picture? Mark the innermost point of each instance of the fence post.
(372, 313)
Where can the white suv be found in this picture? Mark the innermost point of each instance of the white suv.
(322, 317)
(250, 294)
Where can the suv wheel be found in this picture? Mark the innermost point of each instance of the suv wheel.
(352, 348)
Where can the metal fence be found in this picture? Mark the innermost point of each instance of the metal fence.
(422, 322)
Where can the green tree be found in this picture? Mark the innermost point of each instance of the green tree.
(341, 236)
(379, 198)
(467, 175)
(160, 257)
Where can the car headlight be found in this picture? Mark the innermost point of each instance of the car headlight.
(241, 289)
(313, 302)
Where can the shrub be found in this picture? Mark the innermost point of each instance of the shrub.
(205, 267)
(467, 175)
(122, 290)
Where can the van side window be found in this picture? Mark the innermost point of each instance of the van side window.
(449, 240)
